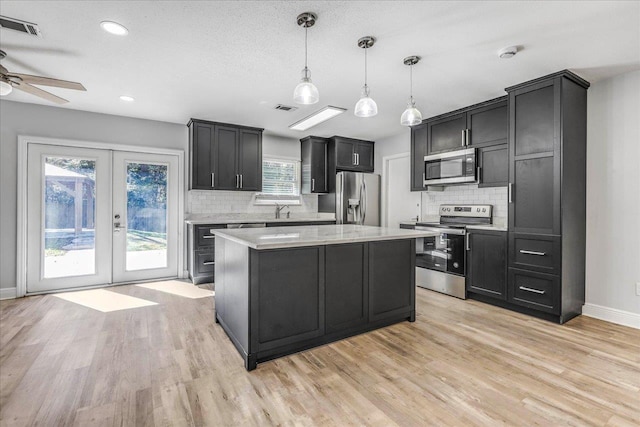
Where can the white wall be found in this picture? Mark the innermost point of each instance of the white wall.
(613, 193)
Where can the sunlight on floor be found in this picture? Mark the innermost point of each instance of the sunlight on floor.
(176, 287)
(103, 300)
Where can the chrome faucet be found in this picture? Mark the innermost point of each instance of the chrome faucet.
(279, 208)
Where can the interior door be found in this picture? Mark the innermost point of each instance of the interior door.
(145, 216)
(402, 203)
(68, 219)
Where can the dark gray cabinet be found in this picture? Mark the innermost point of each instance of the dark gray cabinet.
(352, 154)
(201, 251)
(547, 194)
(484, 126)
(313, 150)
(224, 156)
(487, 263)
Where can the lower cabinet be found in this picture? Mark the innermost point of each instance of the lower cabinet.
(487, 263)
(201, 252)
(534, 290)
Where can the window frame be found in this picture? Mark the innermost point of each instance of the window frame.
(262, 198)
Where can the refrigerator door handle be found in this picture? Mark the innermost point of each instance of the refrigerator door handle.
(363, 200)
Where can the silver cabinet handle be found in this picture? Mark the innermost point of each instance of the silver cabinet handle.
(208, 263)
(213, 180)
(313, 184)
(241, 184)
(479, 171)
(209, 237)
(524, 251)
(358, 158)
(468, 242)
(424, 178)
(466, 138)
(510, 193)
(535, 291)
(463, 138)
(354, 159)
(237, 181)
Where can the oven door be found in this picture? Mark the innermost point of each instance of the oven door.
(443, 252)
(453, 167)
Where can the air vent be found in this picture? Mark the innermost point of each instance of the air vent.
(285, 107)
(21, 26)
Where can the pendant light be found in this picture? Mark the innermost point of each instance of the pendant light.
(411, 115)
(366, 106)
(306, 93)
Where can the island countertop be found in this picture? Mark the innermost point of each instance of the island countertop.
(291, 237)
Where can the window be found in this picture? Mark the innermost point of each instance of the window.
(280, 181)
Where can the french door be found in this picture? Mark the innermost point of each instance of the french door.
(99, 217)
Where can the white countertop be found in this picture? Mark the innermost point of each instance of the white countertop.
(315, 235)
(230, 218)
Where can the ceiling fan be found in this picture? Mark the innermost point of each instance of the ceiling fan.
(24, 82)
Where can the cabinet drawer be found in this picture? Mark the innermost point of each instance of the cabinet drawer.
(534, 290)
(204, 262)
(204, 237)
(534, 252)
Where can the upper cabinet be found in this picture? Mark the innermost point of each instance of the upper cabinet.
(314, 165)
(352, 154)
(484, 126)
(224, 156)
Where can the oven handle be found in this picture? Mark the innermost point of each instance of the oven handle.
(454, 231)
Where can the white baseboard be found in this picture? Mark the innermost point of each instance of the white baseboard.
(613, 315)
(7, 293)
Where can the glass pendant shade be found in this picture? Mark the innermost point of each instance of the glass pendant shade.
(306, 92)
(411, 115)
(5, 88)
(366, 106)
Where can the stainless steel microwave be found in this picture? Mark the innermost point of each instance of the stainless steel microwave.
(452, 167)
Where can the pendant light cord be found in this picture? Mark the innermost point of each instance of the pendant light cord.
(411, 83)
(365, 66)
(306, 72)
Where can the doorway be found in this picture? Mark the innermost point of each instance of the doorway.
(401, 204)
(99, 216)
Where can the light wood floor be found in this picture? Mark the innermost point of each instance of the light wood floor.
(461, 363)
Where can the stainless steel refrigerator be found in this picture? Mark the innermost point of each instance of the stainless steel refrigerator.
(358, 198)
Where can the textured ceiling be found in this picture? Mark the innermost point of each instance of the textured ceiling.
(234, 61)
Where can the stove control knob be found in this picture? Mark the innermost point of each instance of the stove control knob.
(484, 209)
(477, 209)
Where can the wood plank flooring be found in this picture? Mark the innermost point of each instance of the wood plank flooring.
(460, 363)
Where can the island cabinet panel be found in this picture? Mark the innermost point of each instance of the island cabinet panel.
(391, 265)
(346, 289)
(287, 287)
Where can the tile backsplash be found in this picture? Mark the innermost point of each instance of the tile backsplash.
(466, 194)
(205, 202)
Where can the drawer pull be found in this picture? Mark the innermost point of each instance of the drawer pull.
(209, 237)
(535, 291)
(208, 263)
(523, 251)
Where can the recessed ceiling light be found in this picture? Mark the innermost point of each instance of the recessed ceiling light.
(318, 117)
(127, 98)
(508, 52)
(114, 28)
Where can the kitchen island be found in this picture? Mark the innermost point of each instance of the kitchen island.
(285, 289)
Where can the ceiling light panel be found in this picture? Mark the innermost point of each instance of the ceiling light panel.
(127, 98)
(318, 117)
(114, 28)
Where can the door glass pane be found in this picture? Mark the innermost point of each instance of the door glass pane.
(69, 212)
(146, 216)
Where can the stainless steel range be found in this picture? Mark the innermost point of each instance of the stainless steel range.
(440, 260)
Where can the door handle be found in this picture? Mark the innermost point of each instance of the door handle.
(510, 193)
(213, 180)
(462, 139)
(117, 227)
(526, 252)
(535, 291)
(313, 184)
(467, 136)
(468, 242)
(363, 201)
(208, 263)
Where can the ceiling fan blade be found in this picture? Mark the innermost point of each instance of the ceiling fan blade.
(46, 81)
(39, 92)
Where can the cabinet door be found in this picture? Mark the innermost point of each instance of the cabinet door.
(488, 125)
(346, 291)
(365, 159)
(202, 155)
(345, 154)
(536, 120)
(418, 151)
(250, 160)
(493, 162)
(487, 263)
(534, 290)
(226, 155)
(391, 262)
(447, 134)
(534, 203)
(318, 151)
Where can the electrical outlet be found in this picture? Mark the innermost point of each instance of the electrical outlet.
(638, 288)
